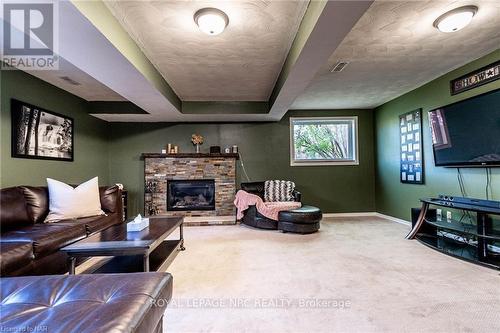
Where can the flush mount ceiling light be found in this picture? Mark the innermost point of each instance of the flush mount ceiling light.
(455, 19)
(211, 21)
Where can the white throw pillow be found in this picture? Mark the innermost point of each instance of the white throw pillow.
(66, 202)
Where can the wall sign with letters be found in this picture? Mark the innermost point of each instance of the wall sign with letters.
(475, 79)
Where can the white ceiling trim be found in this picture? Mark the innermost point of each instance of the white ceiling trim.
(250, 117)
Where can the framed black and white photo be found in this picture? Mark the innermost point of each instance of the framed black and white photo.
(411, 151)
(41, 134)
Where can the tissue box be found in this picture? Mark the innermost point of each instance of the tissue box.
(138, 226)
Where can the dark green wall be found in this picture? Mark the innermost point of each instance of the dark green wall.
(396, 199)
(266, 154)
(91, 153)
(112, 151)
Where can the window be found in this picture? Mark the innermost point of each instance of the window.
(324, 141)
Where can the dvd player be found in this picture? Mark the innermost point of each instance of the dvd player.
(469, 201)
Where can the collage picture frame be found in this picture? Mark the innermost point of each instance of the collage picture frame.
(411, 148)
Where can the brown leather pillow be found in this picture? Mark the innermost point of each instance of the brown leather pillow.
(37, 202)
(13, 213)
(109, 198)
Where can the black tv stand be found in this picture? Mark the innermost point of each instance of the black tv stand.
(474, 240)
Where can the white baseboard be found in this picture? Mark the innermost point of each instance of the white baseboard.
(368, 214)
(360, 214)
(393, 219)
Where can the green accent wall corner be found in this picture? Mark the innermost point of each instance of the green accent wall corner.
(112, 150)
(394, 198)
(91, 151)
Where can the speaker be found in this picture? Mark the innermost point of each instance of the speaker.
(425, 228)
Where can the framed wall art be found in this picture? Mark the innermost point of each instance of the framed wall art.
(411, 151)
(41, 134)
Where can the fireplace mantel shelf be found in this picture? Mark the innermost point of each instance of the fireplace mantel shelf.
(189, 155)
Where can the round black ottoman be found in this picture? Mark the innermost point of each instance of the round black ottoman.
(303, 220)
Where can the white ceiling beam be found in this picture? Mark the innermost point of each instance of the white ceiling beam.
(332, 21)
(82, 44)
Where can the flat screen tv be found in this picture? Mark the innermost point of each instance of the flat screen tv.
(467, 133)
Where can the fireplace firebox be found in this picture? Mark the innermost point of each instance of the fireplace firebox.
(184, 195)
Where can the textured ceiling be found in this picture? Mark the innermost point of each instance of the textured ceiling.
(394, 48)
(88, 88)
(241, 64)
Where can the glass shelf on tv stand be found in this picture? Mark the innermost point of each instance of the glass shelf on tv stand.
(457, 249)
(476, 241)
(462, 228)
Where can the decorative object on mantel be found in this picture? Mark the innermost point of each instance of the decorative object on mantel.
(227, 150)
(235, 149)
(411, 158)
(214, 149)
(197, 140)
(171, 149)
(476, 78)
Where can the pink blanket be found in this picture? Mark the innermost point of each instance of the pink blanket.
(268, 209)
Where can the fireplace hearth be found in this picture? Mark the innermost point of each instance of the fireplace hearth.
(190, 195)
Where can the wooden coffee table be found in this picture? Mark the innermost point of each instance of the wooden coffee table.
(134, 251)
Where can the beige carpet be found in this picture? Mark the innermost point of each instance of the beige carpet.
(238, 279)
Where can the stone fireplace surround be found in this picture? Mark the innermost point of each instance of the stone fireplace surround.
(159, 168)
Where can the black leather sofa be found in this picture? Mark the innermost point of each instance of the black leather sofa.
(30, 247)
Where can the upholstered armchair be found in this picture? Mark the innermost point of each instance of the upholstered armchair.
(251, 216)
